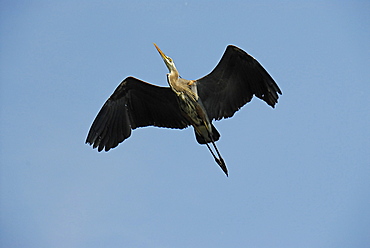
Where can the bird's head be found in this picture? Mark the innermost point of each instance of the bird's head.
(167, 60)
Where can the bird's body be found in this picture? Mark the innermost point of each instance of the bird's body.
(193, 110)
(233, 82)
(190, 104)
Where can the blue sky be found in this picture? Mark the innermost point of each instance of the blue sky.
(299, 173)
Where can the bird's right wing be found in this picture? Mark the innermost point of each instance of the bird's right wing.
(134, 104)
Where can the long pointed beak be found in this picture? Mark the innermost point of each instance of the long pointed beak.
(160, 52)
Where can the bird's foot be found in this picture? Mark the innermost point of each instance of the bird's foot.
(222, 164)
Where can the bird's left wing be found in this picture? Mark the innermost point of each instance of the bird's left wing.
(134, 104)
(234, 81)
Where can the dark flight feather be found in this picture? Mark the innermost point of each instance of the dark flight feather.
(233, 82)
(134, 104)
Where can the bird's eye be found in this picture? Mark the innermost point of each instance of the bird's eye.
(169, 59)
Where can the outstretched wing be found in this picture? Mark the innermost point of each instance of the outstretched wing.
(134, 104)
(233, 82)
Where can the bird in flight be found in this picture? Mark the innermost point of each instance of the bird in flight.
(135, 103)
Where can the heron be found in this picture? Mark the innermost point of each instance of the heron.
(229, 86)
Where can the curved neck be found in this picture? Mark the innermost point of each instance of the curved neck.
(173, 78)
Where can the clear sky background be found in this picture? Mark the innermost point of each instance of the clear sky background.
(299, 173)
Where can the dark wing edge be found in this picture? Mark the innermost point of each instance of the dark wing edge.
(134, 104)
(233, 82)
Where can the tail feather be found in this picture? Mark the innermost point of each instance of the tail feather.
(204, 138)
